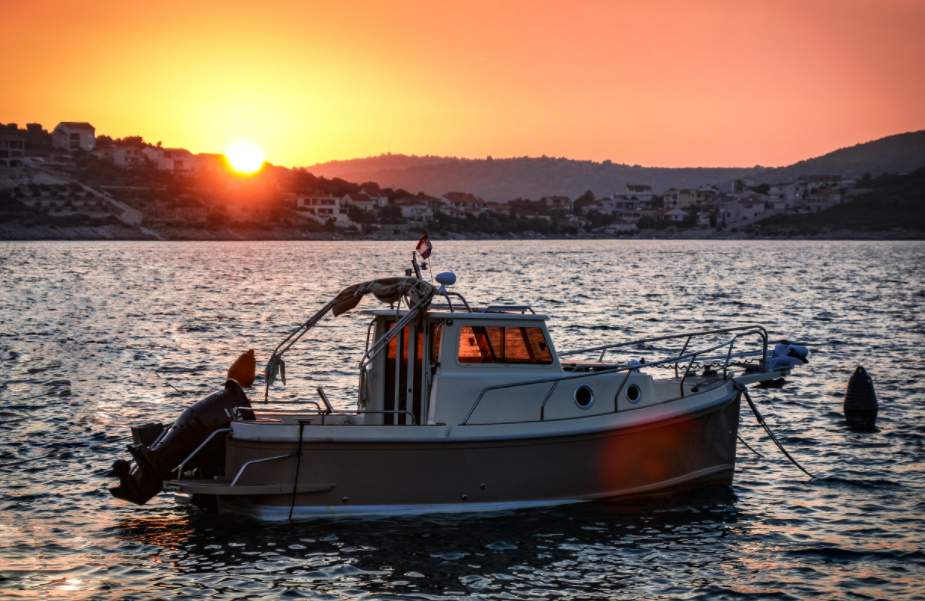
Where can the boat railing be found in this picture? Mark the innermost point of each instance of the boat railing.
(508, 309)
(249, 414)
(199, 448)
(685, 356)
(688, 336)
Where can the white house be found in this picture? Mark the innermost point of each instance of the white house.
(675, 215)
(671, 198)
(574, 221)
(733, 210)
(640, 192)
(12, 151)
(365, 201)
(709, 218)
(74, 135)
(786, 191)
(612, 205)
(415, 210)
(559, 204)
(822, 200)
(635, 215)
(460, 204)
(621, 227)
(603, 206)
(178, 160)
(741, 185)
(122, 156)
(323, 207)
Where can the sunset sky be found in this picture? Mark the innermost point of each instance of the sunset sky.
(668, 84)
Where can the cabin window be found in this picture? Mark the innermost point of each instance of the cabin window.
(478, 344)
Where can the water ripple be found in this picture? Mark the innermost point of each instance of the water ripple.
(95, 337)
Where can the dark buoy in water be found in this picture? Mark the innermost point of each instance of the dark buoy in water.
(861, 405)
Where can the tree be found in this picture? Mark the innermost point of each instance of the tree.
(358, 215)
(390, 214)
(582, 200)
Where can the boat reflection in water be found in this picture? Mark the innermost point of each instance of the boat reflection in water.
(598, 548)
(464, 409)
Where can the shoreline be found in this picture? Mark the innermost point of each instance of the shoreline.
(14, 232)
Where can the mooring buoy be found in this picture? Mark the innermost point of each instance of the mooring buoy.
(244, 369)
(861, 404)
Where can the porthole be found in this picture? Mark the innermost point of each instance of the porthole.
(633, 393)
(584, 396)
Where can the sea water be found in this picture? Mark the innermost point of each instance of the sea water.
(98, 336)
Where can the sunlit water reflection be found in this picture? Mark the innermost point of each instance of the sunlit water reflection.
(95, 337)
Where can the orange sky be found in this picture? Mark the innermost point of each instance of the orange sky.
(670, 84)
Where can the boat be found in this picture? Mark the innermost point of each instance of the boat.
(462, 408)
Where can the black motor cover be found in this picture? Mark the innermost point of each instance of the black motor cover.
(190, 430)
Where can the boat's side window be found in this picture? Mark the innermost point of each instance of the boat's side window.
(481, 344)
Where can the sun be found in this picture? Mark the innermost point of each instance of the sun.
(244, 157)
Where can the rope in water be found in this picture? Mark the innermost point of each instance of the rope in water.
(748, 447)
(6, 465)
(298, 463)
(771, 434)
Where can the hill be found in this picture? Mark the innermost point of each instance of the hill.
(901, 153)
(895, 202)
(506, 179)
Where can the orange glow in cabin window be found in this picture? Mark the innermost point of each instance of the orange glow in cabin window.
(478, 344)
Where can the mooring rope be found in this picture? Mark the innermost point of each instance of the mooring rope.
(768, 430)
(298, 464)
(748, 447)
(6, 465)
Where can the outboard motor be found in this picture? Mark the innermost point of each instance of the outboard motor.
(191, 429)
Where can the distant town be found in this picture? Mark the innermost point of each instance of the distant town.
(72, 178)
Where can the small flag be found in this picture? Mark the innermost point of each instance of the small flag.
(424, 246)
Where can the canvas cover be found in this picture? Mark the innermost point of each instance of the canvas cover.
(386, 290)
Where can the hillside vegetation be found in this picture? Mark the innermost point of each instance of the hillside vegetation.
(901, 153)
(506, 179)
(895, 202)
(500, 180)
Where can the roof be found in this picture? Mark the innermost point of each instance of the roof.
(438, 313)
(76, 125)
(410, 202)
(359, 197)
(463, 197)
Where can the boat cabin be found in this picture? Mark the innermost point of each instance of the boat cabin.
(453, 365)
(429, 371)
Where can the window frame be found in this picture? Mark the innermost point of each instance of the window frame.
(458, 325)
